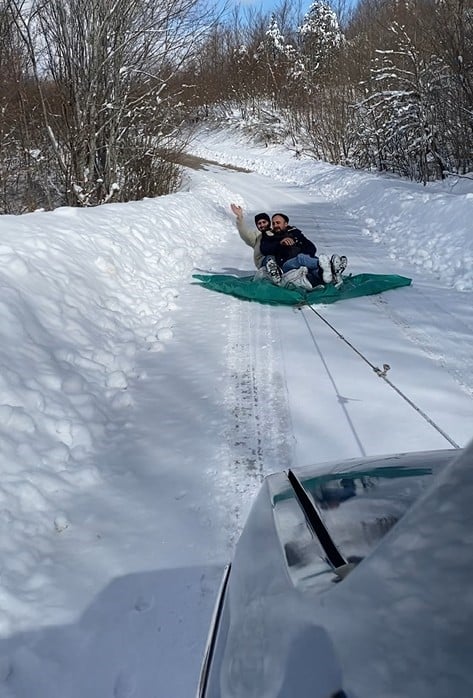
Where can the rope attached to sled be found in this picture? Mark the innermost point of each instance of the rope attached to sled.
(381, 373)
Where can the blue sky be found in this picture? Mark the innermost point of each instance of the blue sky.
(266, 5)
(269, 5)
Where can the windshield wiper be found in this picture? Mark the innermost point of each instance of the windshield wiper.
(317, 526)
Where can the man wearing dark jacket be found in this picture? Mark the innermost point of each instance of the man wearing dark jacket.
(287, 241)
(291, 250)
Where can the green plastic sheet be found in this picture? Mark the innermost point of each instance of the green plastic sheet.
(263, 291)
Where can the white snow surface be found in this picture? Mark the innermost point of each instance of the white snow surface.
(140, 412)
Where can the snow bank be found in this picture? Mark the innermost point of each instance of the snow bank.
(82, 292)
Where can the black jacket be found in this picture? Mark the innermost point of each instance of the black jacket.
(271, 245)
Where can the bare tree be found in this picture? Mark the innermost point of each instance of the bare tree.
(19, 155)
(104, 71)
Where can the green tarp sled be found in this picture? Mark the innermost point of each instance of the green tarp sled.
(264, 291)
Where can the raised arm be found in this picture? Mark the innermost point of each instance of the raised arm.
(247, 234)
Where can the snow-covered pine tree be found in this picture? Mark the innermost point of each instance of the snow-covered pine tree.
(398, 118)
(320, 36)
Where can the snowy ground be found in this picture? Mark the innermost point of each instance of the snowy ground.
(140, 411)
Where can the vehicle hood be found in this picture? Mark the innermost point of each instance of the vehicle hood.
(402, 621)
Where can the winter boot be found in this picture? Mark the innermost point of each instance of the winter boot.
(326, 269)
(338, 265)
(274, 271)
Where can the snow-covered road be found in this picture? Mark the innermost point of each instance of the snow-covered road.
(422, 332)
(116, 601)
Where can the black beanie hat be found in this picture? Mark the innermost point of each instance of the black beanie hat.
(283, 215)
(262, 216)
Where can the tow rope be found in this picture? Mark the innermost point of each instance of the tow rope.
(381, 373)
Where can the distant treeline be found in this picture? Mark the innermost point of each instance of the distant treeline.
(97, 98)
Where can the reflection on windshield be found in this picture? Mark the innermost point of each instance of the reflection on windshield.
(336, 487)
(331, 495)
(360, 507)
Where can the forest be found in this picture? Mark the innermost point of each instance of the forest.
(99, 98)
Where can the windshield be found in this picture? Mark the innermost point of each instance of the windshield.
(359, 508)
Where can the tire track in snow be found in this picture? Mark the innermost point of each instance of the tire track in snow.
(258, 430)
